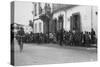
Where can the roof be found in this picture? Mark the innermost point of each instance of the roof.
(58, 7)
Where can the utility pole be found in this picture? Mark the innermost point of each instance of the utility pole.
(91, 17)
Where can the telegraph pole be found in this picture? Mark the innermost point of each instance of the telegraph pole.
(91, 17)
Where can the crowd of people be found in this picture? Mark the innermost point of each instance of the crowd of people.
(76, 38)
(71, 38)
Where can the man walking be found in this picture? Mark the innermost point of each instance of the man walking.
(20, 38)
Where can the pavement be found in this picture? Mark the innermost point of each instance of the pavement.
(38, 54)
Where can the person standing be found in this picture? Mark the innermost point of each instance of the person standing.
(20, 38)
(61, 38)
(92, 36)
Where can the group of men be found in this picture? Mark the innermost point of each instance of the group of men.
(73, 38)
(76, 38)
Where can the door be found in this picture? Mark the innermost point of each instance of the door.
(75, 22)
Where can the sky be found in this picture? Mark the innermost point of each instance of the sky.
(23, 12)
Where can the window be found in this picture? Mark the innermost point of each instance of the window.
(35, 28)
(40, 27)
(35, 6)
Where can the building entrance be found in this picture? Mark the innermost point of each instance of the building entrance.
(75, 22)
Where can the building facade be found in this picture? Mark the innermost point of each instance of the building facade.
(40, 14)
(80, 18)
(74, 17)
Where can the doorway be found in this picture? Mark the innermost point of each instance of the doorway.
(75, 22)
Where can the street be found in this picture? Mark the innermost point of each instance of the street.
(36, 54)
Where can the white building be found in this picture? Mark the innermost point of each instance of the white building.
(38, 24)
(86, 17)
